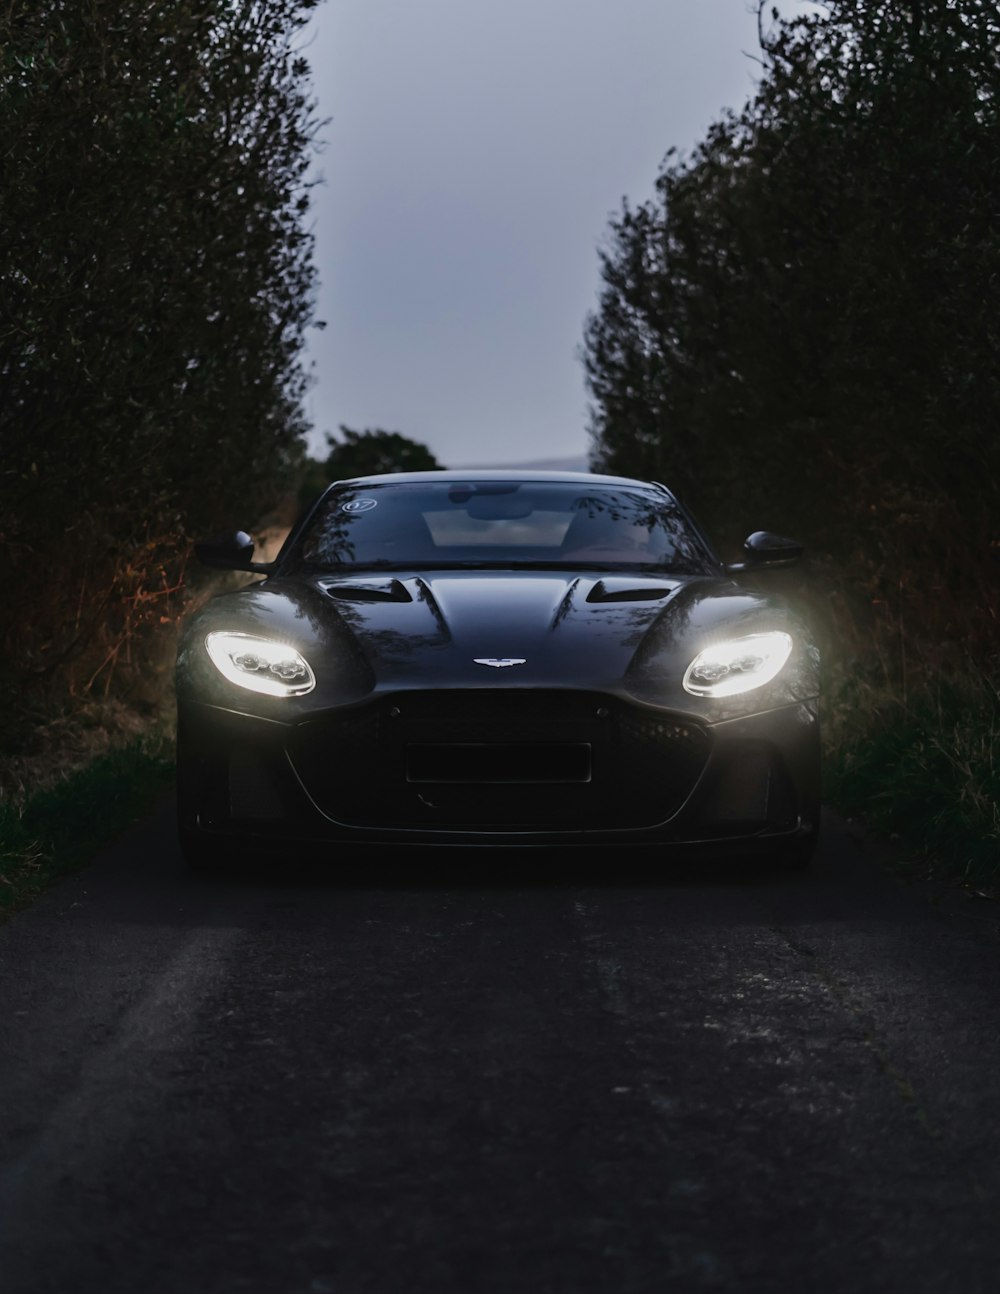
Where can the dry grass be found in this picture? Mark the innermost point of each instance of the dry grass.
(83, 757)
(75, 773)
(59, 826)
(66, 740)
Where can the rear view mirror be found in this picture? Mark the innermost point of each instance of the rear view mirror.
(499, 507)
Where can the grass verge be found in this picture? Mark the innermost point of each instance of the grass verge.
(58, 829)
(924, 771)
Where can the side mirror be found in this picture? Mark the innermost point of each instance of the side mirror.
(231, 553)
(765, 550)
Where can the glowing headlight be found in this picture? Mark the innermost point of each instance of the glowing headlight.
(260, 664)
(738, 664)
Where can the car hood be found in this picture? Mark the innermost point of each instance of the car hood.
(632, 635)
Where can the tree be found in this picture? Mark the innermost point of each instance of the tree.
(158, 283)
(798, 329)
(362, 453)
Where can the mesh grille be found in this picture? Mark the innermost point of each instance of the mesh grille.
(642, 764)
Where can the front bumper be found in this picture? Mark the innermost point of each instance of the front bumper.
(559, 768)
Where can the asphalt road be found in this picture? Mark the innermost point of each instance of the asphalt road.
(483, 1073)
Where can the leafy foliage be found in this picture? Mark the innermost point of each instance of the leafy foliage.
(808, 301)
(158, 284)
(798, 330)
(362, 453)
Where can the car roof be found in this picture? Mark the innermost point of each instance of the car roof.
(504, 474)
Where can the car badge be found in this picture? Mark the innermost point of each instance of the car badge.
(500, 662)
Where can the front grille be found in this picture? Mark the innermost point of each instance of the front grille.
(508, 763)
(500, 760)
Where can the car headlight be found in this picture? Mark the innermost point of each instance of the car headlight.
(737, 664)
(260, 664)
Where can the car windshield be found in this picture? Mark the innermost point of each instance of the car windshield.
(498, 524)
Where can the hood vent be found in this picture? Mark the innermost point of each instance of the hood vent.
(625, 590)
(368, 591)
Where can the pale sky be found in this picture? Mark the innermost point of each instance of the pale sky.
(475, 153)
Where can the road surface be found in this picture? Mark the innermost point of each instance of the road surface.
(497, 1073)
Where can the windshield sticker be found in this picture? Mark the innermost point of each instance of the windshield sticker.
(359, 505)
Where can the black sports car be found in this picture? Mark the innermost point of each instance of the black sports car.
(498, 658)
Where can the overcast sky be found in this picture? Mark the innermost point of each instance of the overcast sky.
(475, 152)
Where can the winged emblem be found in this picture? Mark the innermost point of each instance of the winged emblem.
(500, 662)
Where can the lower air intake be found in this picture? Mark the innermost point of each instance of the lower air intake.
(501, 760)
